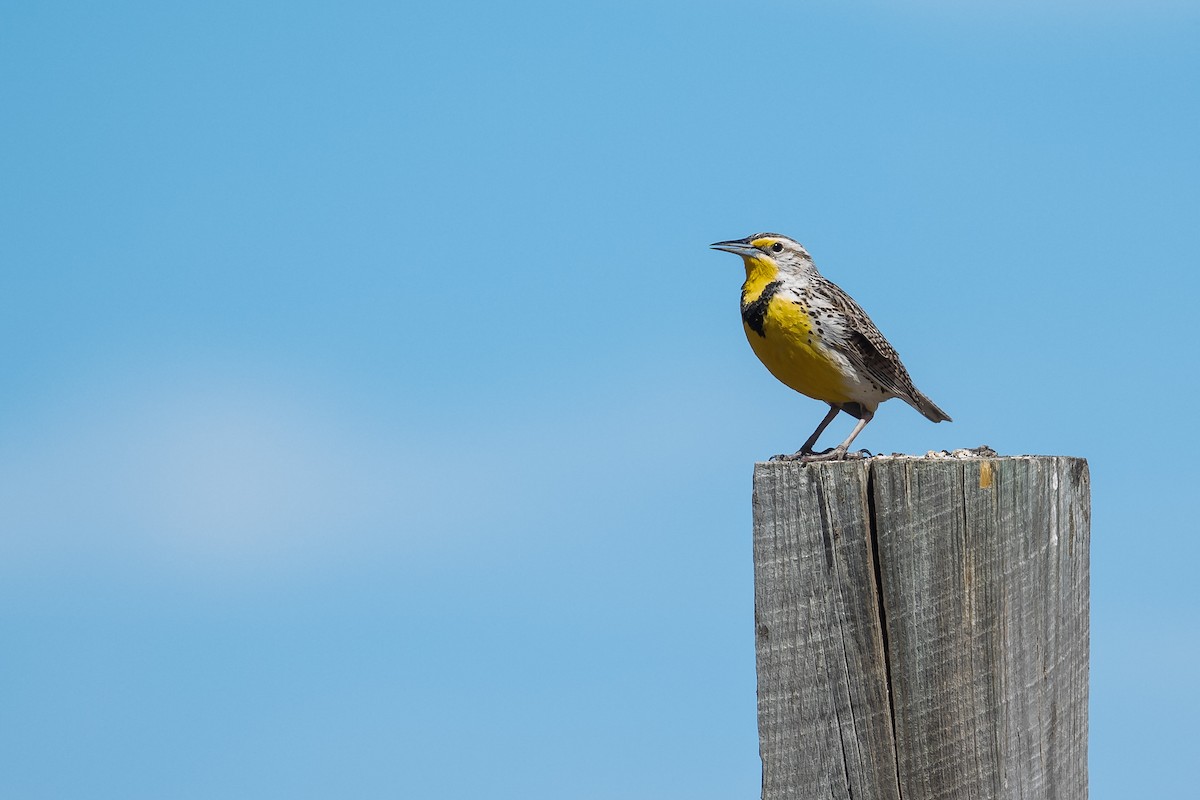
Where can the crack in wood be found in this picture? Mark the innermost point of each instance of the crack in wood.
(881, 613)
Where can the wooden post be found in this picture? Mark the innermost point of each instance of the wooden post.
(922, 628)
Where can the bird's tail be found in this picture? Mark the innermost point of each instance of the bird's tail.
(927, 407)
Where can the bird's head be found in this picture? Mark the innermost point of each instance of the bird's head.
(769, 250)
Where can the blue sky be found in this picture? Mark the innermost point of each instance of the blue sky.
(376, 422)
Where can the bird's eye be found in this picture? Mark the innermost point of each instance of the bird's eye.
(777, 247)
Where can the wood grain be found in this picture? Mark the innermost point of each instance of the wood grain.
(922, 628)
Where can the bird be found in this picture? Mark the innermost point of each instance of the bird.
(815, 339)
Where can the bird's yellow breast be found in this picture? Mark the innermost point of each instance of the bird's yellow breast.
(781, 334)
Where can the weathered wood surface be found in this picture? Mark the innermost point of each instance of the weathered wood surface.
(922, 628)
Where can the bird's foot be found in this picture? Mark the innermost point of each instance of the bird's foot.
(805, 456)
(831, 454)
(800, 455)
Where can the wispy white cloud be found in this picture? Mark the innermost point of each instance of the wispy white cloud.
(217, 473)
(225, 475)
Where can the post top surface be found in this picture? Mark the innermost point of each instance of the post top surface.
(983, 453)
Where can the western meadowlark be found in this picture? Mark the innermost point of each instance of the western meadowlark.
(814, 338)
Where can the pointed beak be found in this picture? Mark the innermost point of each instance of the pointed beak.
(738, 247)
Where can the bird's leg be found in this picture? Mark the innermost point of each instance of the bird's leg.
(839, 452)
(807, 448)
